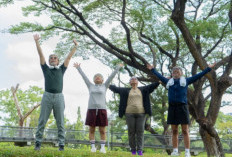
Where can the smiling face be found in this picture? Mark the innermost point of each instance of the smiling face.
(98, 79)
(134, 81)
(177, 72)
(53, 60)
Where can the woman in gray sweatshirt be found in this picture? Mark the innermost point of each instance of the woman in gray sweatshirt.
(97, 114)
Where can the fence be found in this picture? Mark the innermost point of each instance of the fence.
(18, 134)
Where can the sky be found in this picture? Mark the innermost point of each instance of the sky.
(19, 63)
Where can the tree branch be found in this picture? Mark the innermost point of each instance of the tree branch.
(151, 48)
(178, 18)
(30, 111)
(230, 13)
(214, 11)
(157, 45)
(218, 42)
(14, 90)
(168, 8)
(128, 36)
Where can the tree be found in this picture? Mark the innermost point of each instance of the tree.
(19, 105)
(23, 103)
(22, 117)
(189, 34)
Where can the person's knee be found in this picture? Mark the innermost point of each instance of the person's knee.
(92, 130)
(102, 132)
(140, 131)
(175, 131)
(185, 132)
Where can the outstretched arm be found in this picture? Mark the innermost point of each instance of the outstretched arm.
(85, 78)
(115, 89)
(152, 87)
(201, 74)
(163, 79)
(41, 56)
(67, 60)
(110, 78)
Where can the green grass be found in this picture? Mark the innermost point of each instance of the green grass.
(9, 150)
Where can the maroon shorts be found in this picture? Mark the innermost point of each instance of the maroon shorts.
(96, 119)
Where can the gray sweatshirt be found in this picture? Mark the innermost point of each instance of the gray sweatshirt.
(97, 92)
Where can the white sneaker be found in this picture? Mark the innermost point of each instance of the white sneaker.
(187, 155)
(103, 150)
(93, 150)
(175, 154)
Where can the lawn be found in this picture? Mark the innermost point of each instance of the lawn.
(9, 150)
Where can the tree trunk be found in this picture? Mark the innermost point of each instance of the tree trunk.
(210, 144)
(21, 131)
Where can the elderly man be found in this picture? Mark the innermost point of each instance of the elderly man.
(178, 112)
(53, 98)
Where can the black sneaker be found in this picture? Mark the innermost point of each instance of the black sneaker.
(61, 148)
(37, 145)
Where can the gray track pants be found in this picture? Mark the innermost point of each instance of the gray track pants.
(55, 102)
(135, 123)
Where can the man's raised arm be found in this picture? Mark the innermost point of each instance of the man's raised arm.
(67, 60)
(41, 56)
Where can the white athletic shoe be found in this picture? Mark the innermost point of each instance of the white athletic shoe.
(103, 150)
(175, 154)
(93, 150)
(187, 155)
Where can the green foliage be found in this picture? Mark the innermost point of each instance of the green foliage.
(4, 3)
(24, 27)
(144, 15)
(27, 99)
(224, 126)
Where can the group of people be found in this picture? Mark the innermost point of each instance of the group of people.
(134, 103)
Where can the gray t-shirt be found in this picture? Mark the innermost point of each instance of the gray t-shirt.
(97, 92)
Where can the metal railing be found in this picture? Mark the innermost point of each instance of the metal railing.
(25, 134)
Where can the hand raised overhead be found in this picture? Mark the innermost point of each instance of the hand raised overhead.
(76, 65)
(75, 42)
(121, 65)
(149, 66)
(212, 65)
(36, 37)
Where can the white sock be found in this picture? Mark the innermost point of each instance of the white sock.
(103, 142)
(92, 143)
(175, 150)
(187, 150)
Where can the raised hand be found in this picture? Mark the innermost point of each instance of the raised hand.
(75, 42)
(149, 66)
(76, 65)
(212, 65)
(36, 37)
(121, 65)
